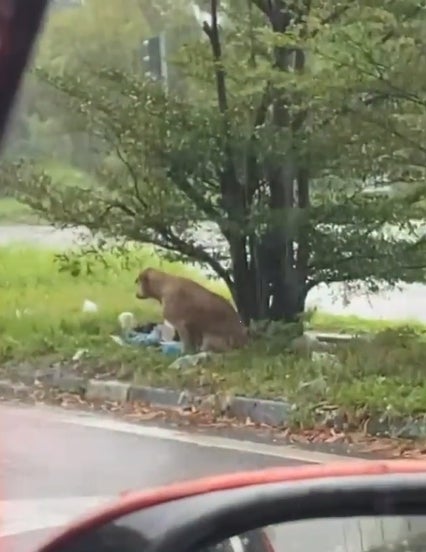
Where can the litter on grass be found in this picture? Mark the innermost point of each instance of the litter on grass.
(162, 336)
(89, 306)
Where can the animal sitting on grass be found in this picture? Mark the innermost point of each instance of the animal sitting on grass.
(204, 320)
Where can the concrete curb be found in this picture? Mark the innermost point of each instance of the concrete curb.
(275, 413)
(262, 411)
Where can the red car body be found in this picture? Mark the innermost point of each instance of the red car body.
(136, 501)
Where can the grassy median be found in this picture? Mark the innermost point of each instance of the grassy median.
(42, 322)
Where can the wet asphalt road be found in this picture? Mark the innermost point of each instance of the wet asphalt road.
(43, 457)
(55, 465)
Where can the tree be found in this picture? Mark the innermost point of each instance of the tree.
(77, 37)
(74, 37)
(293, 108)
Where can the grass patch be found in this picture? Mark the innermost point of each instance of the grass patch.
(356, 325)
(41, 320)
(42, 306)
(14, 212)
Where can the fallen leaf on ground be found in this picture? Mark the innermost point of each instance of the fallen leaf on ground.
(139, 416)
(357, 441)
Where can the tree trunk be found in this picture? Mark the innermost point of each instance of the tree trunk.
(287, 264)
(243, 293)
(269, 272)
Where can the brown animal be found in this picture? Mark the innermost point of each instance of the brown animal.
(204, 320)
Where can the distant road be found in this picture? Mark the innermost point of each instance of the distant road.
(407, 303)
(45, 236)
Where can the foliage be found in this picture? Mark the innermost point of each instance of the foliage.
(289, 113)
(74, 38)
(41, 320)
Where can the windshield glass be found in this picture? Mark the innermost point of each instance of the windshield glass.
(352, 534)
(213, 213)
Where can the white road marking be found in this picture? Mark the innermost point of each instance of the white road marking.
(21, 516)
(202, 440)
(103, 422)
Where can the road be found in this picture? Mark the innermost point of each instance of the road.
(406, 303)
(56, 464)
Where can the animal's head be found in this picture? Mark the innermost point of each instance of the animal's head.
(144, 284)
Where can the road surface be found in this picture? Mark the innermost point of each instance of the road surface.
(57, 464)
(406, 303)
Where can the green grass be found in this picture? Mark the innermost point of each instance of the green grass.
(41, 321)
(14, 212)
(31, 280)
(356, 325)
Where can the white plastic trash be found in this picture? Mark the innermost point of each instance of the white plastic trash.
(117, 339)
(166, 331)
(127, 321)
(80, 354)
(89, 306)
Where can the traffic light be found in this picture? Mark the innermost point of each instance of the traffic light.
(154, 58)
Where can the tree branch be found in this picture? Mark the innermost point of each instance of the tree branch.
(334, 16)
(415, 144)
(191, 251)
(192, 194)
(251, 159)
(170, 241)
(373, 99)
(117, 205)
(132, 174)
(265, 7)
(212, 31)
(232, 198)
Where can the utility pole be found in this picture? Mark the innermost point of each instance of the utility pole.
(154, 59)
